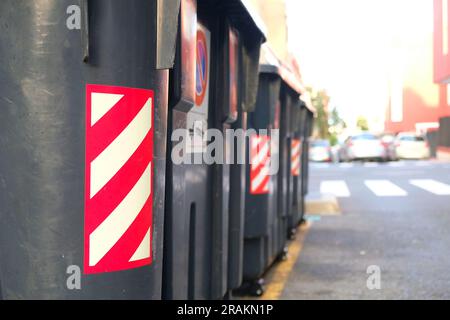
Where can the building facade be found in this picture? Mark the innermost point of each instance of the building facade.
(441, 73)
(417, 102)
(273, 13)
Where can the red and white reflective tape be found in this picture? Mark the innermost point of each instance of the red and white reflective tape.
(118, 183)
(259, 164)
(295, 157)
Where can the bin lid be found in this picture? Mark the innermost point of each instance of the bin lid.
(306, 99)
(255, 18)
(269, 63)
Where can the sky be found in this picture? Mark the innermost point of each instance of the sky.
(351, 47)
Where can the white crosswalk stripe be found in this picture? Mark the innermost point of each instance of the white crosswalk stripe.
(432, 186)
(385, 188)
(422, 163)
(346, 165)
(396, 164)
(371, 164)
(337, 188)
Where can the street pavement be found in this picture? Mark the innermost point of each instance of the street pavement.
(394, 216)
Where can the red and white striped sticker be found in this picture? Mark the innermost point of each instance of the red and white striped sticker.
(259, 164)
(295, 157)
(118, 178)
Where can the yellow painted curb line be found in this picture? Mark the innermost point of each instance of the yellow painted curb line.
(278, 277)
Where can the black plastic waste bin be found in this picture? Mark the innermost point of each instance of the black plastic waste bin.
(298, 126)
(249, 49)
(237, 78)
(309, 122)
(268, 195)
(199, 217)
(300, 183)
(294, 164)
(272, 245)
(290, 92)
(83, 90)
(259, 185)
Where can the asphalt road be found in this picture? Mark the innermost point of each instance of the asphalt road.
(394, 216)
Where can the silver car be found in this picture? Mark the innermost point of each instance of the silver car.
(320, 150)
(363, 146)
(411, 146)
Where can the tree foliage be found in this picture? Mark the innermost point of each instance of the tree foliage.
(320, 101)
(362, 123)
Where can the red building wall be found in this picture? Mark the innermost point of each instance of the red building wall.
(416, 110)
(425, 73)
(441, 59)
(441, 70)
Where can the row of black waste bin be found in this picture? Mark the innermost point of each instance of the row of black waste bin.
(92, 204)
(273, 215)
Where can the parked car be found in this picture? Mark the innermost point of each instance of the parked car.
(411, 146)
(388, 141)
(320, 150)
(363, 146)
